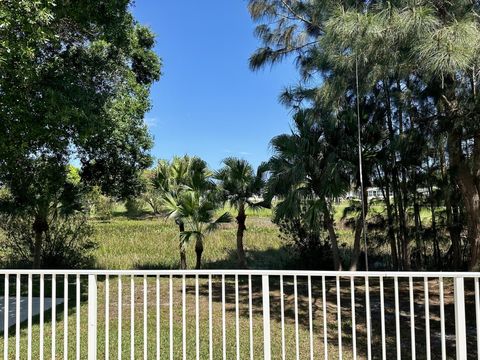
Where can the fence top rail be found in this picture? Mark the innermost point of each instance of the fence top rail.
(349, 274)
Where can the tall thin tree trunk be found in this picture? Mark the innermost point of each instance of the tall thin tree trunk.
(333, 240)
(183, 255)
(359, 225)
(390, 230)
(241, 217)
(40, 226)
(199, 251)
(418, 229)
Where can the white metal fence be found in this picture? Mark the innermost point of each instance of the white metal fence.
(239, 315)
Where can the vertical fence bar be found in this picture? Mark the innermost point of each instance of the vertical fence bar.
(382, 319)
(237, 319)
(158, 315)
(145, 317)
(184, 320)
(354, 325)
(250, 315)
(224, 335)
(42, 315)
(65, 317)
(54, 316)
(339, 319)
(29, 314)
(119, 317)
(77, 310)
(368, 317)
(266, 317)
(297, 336)
(17, 318)
(427, 318)
(132, 317)
(442, 319)
(477, 314)
(412, 318)
(107, 317)
(397, 319)
(310, 315)
(170, 294)
(6, 298)
(92, 317)
(324, 305)
(460, 328)
(197, 319)
(282, 316)
(210, 310)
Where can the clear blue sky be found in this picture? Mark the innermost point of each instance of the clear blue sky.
(208, 102)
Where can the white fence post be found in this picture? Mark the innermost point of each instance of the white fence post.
(460, 328)
(92, 317)
(266, 318)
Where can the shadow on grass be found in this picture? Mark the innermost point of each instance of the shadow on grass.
(271, 259)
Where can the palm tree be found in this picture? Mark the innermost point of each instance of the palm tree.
(196, 210)
(307, 174)
(239, 185)
(172, 179)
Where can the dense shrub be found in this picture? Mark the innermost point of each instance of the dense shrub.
(135, 206)
(308, 246)
(99, 205)
(68, 242)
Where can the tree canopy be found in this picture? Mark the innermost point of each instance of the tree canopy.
(74, 84)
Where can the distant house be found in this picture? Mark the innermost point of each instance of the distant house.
(377, 193)
(372, 193)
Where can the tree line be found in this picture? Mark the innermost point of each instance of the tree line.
(410, 71)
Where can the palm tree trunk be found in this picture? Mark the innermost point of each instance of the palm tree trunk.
(183, 255)
(40, 226)
(333, 240)
(199, 251)
(241, 217)
(358, 234)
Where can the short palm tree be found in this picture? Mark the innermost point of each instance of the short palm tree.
(240, 185)
(197, 212)
(176, 177)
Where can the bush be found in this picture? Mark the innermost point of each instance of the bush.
(67, 244)
(308, 246)
(98, 205)
(135, 207)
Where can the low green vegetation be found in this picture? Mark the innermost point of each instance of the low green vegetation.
(153, 244)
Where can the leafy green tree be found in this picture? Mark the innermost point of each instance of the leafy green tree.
(240, 186)
(75, 83)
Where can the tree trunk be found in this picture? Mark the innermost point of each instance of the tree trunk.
(418, 230)
(359, 225)
(199, 251)
(183, 255)
(333, 240)
(241, 217)
(390, 230)
(40, 226)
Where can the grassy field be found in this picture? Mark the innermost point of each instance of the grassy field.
(153, 244)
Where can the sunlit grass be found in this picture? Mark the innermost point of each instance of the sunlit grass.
(153, 243)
